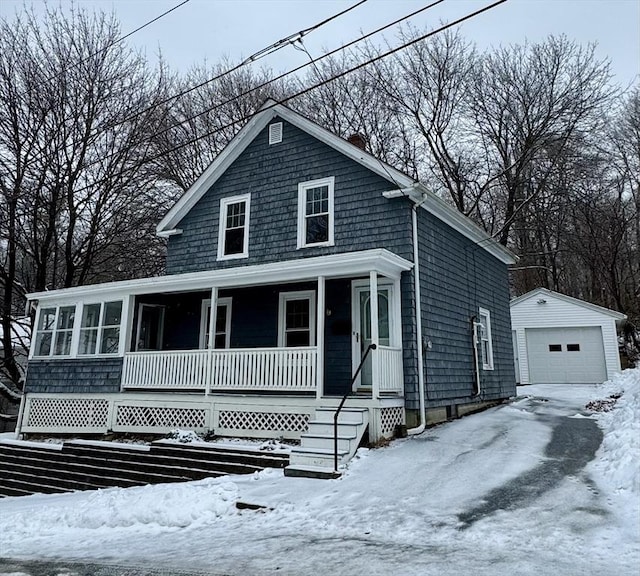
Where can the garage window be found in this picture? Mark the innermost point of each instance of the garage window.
(555, 347)
(573, 347)
(486, 345)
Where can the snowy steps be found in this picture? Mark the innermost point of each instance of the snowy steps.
(314, 458)
(80, 465)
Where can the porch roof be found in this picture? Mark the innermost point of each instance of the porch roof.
(331, 266)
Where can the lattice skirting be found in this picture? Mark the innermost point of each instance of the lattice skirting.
(389, 419)
(136, 417)
(68, 414)
(254, 420)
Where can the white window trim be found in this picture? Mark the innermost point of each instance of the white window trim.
(283, 298)
(224, 203)
(488, 364)
(54, 332)
(203, 322)
(302, 189)
(100, 328)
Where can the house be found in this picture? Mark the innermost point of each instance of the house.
(560, 339)
(264, 315)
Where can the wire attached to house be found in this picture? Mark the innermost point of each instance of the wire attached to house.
(249, 116)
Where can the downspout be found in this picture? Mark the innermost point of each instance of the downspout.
(416, 289)
(476, 361)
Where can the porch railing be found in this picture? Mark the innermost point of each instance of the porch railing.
(390, 369)
(285, 369)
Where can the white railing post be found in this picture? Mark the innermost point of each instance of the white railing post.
(373, 303)
(319, 371)
(212, 340)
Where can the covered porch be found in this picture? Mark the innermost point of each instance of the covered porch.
(292, 328)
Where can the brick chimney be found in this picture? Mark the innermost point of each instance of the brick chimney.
(358, 140)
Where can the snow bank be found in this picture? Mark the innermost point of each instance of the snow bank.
(161, 506)
(618, 462)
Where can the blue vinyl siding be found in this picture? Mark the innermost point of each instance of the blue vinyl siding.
(271, 174)
(81, 376)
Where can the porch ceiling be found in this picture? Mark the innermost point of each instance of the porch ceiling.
(344, 265)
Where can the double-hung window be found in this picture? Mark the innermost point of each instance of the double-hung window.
(54, 331)
(296, 322)
(233, 237)
(484, 338)
(315, 213)
(100, 328)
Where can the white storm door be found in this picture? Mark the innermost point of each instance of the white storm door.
(361, 334)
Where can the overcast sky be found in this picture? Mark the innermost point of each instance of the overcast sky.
(210, 29)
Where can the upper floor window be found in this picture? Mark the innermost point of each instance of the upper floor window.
(100, 328)
(233, 238)
(54, 331)
(315, 213)
(486, 345)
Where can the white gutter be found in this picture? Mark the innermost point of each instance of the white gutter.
(416, 279)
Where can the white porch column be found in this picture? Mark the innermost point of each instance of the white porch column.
(320, 316)
(375, 337)
(212, 338)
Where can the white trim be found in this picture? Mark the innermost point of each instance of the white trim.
(206, 304)
(428, 201)
(320, 323)
(285, 297)
(569, 299)
(167, 233)
(344, 265)
(222, 228)
(487, 363)
(302, 211)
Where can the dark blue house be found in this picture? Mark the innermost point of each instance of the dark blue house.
(264, 314)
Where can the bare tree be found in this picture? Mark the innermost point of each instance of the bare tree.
(74, 179)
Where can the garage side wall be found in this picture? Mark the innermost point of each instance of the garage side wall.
(557, 313)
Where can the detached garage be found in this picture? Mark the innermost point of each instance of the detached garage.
(559, 339)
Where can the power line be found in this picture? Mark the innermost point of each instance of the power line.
(313, 62)
(117, 41)
(310, 88)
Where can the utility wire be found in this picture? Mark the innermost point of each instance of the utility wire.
(313, 62)
(310, 88)
(116, 41)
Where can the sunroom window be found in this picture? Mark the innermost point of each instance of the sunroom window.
(55, 330)
(100, 328)
(315, 213)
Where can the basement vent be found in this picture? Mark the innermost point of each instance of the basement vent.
(275, 133)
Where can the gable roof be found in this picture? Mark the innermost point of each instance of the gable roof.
(401, 181)
(537, 292)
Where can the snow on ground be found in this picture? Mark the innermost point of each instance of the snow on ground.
(396, 510)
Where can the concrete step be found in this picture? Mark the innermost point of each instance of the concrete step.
(346, 416)
(321, 473)
(326, 441)
(317, 427)
(319, 457)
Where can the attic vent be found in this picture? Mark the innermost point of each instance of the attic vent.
(275, 133)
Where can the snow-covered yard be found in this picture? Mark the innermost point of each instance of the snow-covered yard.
(458, 499)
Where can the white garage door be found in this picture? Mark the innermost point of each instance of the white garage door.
(566, 355)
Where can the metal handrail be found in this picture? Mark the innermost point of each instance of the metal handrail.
(344, 399)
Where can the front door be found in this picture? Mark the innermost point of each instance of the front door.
(361, 314)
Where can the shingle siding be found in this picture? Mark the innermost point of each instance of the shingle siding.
(271, 174)
(78, 376)
(457, 277)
